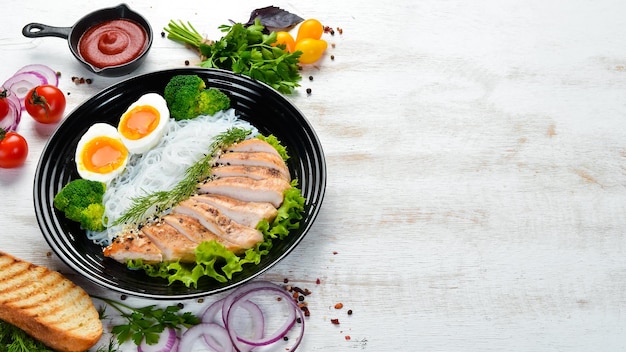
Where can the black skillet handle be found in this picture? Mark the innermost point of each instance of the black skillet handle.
(38, 30)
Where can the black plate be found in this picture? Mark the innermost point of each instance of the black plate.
(254, 102)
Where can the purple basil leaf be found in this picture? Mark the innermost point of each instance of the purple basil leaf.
(274, 18)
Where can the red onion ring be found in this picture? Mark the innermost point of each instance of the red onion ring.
(20, 84)
(213, 335)
(167, 342)
(10, 122)
(219, 320)
(280, 332)
(48, 73)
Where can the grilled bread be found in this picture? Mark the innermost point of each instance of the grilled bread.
(47, 306)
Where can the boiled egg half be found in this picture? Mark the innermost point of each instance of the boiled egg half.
(143, 124)
(100, 154)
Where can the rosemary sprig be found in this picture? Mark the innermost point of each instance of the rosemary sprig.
(156, 202)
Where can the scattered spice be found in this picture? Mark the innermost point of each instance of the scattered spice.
(286, 280)
(200, 300)
(310, 78)
(308, 91)
(81, 80)
(186, 62)
(318, 281)
(335, 321)
(335, 252)
(339, 305)
(349, 311)
(123, 297)
(347, 337)
(162, 34)
(340, 30)
(332, 57)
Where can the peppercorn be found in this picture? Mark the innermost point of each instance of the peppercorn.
(308, 91)
(349, 311)
(310, 78)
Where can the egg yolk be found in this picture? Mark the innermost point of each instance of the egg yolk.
(139, 122)
(103, 155)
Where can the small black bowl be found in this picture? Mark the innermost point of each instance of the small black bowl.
(269, 111)
(74, 33)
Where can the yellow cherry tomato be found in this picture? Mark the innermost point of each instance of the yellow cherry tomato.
(310, 28)
(286, 39)
(312, 49)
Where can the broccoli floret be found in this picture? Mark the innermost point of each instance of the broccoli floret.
(91, 217)
(187, 97)
(211, 101)
(81, 201)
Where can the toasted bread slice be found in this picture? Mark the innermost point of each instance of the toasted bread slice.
(47, 306)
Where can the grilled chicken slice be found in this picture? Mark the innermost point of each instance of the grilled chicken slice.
(221, 225)
(193, 229)
(133, 245)
(254, 159)
(173, 244)
(245, 213)
(248, 189)
(255, 172)
(252, 145)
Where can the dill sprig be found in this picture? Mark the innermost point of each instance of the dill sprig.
(156, 202)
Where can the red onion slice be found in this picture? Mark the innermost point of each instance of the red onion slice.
(167, 342)
(50, 76)
(213, 313)
(279, 333)
(21, 83)
(10, 122)
(213, 335)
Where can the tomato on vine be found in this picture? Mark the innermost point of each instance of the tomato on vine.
(45, 103)
(13, 149)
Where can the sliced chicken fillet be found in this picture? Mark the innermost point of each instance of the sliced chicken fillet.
(255, 172)
(224, 227)
(254, 159)
(248, 189)
(252, 145)
(173, 244)
(193, 229)
(133, 245)
(244, 213)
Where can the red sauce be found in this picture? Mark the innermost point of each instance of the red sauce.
(112, 43)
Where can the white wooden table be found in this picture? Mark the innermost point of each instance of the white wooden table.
(476, 150)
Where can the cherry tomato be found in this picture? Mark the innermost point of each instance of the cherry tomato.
(286, 39)
(45, 103)
(13, 149)
(4, 105)
(310, 28)
(312, 49)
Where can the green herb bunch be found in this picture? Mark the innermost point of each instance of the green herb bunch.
(245, 50)
(14, 339)
(147, 323)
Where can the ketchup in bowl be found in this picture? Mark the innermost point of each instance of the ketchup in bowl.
(113, 43)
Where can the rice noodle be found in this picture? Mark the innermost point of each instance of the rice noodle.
(160, 169)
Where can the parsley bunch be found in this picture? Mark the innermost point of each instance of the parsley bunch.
(148, 322)
(245, 50)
